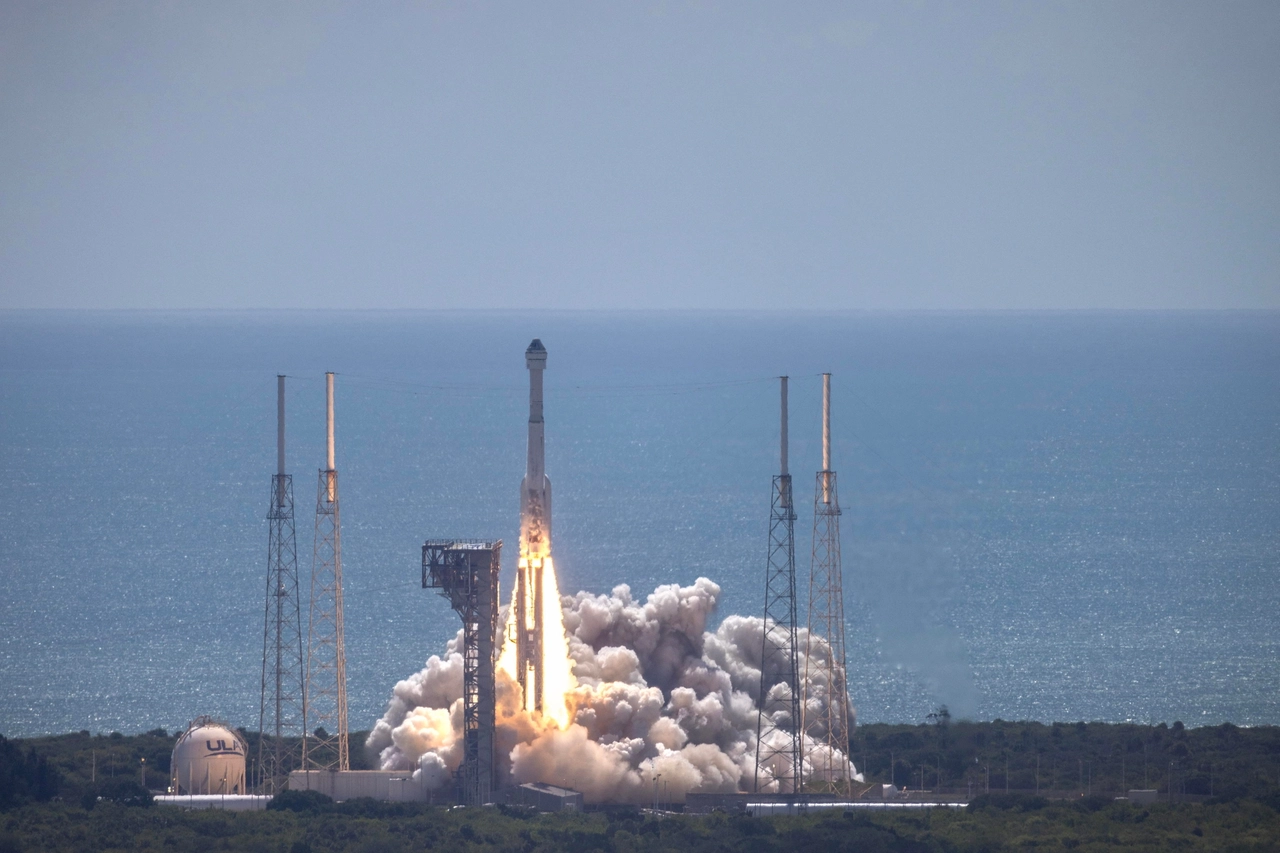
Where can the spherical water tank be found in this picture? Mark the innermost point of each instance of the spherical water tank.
(209, 759)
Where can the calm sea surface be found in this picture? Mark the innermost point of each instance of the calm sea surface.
(1046, 516)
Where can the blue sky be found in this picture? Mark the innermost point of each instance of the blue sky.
(640, 155)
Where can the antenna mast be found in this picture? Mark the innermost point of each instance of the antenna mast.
(325, 748)
(828, 730)
(778, 728)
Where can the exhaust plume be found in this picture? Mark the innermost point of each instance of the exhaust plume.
(653, 694)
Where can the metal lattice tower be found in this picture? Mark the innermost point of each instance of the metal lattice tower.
(282, 713)
(326, 702)
(778, 735)
(827, 730)
(467, 573)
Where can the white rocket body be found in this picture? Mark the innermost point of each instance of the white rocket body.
(535, 488)
(535, 542)
(535, 519)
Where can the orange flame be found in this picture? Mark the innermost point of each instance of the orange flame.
(557, 668)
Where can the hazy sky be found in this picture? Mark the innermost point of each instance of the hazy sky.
(639, 155)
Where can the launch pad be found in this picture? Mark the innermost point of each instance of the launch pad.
(467, 571)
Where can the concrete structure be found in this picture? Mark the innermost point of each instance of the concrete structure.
(396, 786)
(467, 573)
(772, 807)
(739, 802)
(546, 798)
(708, 803)
(225, 802)
(535, 539)
(209, 758)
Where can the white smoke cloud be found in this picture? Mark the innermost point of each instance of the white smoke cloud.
(657, 696)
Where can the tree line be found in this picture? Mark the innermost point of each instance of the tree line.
(85, 792)
(1071, 758)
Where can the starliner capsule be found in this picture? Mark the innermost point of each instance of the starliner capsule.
(535, 540)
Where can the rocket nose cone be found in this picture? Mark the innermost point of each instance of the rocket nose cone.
(536, 355)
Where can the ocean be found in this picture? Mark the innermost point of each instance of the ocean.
(1049, 516)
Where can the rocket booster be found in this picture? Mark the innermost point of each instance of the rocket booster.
(535, 542)
(535, 488)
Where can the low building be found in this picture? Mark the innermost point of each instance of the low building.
(396, 786)
(546, 798)
(739, 802)
(708, 803)
(226, 802)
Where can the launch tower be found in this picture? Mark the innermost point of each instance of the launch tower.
(828, 730)
(778, 734)
(325, 747)
(282, 714)
(466, 573)
(535, 540)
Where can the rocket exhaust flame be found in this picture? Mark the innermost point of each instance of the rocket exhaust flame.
(556, 665)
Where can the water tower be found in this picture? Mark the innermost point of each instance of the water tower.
(209, 759)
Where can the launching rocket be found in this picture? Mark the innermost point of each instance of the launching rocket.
(535, 540)
(535, 488)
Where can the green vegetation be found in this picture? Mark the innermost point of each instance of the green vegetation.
(81, 792)
(1073, 759)
(25, 776)
(372, 826)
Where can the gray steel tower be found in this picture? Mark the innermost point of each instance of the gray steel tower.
(282, 713)
(535, 539)
(828, 730)
(778, 735)
(466, 573)
(325, 747)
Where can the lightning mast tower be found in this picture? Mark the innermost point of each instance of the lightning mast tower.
(283, 711)
(535, 539)
(828, 730)
(778, 728)
(326, 702)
